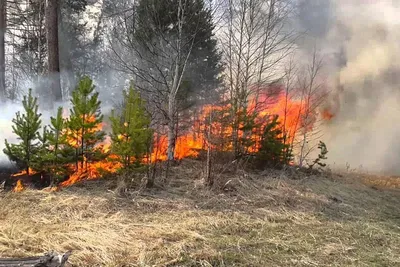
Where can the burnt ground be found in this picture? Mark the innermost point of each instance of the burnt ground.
(6, 170)
(36, 181)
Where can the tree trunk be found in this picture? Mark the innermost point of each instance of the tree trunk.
(3, 22)
(53, 49)
(171, 129)
(209, 179)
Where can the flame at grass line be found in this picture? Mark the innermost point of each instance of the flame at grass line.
(292, 116)
(189, 144)
(19, 187)
(93, 170)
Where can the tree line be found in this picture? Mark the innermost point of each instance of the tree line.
(70, 143)
(182, 55)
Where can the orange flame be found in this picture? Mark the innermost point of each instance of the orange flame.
(188, 144)
(327, 115)
(94, 170)
(19, 187)
(31, 172)
(292, 114)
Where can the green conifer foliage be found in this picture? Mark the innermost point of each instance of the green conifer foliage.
(26, 127)
(56, 153)
(131, 134)
(84, 126)
(321, 156)
(273, 151)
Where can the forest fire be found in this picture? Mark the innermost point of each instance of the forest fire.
(24, 172)
(93, 170)
(213, 125)
(292, 117)
(19, 187)
(290, 112)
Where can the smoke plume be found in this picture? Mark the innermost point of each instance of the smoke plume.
(360, 41)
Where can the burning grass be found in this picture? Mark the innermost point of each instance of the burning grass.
(264, 219)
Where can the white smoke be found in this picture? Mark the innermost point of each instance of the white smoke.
(6, 115)
(362, 42)
(109, 95)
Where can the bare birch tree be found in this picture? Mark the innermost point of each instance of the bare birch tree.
(159, 55)
(289, 83)
(313, 95)
(255, 43)
(209, 179)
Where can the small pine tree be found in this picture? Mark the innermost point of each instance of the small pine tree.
(84, 130)
(131, 134)
(321, 156)
(26, 127)
(55, 152)
(247, 125)
(272, 151)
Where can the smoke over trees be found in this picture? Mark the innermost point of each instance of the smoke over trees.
(213, 74)
(359, 42)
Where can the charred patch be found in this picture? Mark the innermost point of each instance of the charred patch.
(9, 180)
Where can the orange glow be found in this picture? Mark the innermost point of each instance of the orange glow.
(19, 187)
(327, 115)
(94, 170)
(292, 117)
(31, 172)
(186, 146)
(74, 138)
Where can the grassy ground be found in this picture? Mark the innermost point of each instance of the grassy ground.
(275, 218)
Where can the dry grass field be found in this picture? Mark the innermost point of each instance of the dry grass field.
(273, 218)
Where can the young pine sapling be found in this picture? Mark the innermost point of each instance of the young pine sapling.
(131, 135)
(26, 127)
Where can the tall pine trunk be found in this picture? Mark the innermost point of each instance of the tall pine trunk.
(171, 129)
(209, 179)
(53, 49)
(3, 22)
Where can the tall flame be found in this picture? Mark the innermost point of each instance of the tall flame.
(189, 143)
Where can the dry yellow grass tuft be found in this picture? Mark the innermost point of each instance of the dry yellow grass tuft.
(266, 219)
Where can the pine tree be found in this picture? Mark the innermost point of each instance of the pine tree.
(321, 156)
(84, 125)
(131, 134)
(53, 55)
(26, 127)
(157, 19)
(245, 128)
(55, 152)
(177, 55)
(272, 150)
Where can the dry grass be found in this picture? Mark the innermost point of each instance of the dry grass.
(266, 219)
